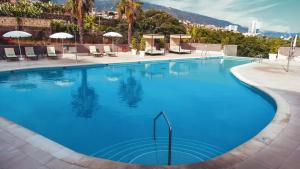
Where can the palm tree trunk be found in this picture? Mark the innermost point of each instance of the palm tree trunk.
(80, 27)
(129, 32)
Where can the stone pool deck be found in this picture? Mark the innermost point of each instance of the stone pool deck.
(276, 147)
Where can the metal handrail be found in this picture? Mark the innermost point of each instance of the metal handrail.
(170, 134)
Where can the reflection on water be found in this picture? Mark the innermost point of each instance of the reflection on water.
(131, 90)
(7, 78)
(64, 83)
(52, 75)
(24, 87)
(85, 100)
(114, 74)
(155, 70)
(181, 68)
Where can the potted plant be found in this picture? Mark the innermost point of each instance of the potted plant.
(133, 46)
(142, 47)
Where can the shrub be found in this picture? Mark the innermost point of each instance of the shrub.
(134, 43)
(142, 44)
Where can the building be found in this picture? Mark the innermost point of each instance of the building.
(253, 29)
(106, 14)
(233, 28)
(207, 26)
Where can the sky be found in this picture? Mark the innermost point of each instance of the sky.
(273, 15)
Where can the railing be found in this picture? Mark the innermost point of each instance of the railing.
(258, 58)
(170, 134)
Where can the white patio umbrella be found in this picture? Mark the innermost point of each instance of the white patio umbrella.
(62, 36)
(18, 35)
(112, 35)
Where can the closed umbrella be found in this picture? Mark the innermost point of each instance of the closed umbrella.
(18, 35)
(62, 36)
(295, 42)
(292, 50)
(112, 35)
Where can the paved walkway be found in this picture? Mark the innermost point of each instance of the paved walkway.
(70, 59)
(284, 151)
(277, 147)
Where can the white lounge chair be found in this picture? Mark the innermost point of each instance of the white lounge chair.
(10, 54)
(93, 51)
(29, 52)
(51, 52)
(107, 50)
(72, 50)
(179, 50)
(154, 51)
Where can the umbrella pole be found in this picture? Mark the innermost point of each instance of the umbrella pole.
(289, 57)
(62, 47)
(20, 49)
(75, 47)
(112, 48)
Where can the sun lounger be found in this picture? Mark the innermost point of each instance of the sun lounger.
(29, 52)
(179, 50)
(72, 50)
(10, 54)
(94, 52)
(154, 51)
(51, 52)
(108, 51)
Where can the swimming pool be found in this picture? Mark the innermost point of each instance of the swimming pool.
(107, 111)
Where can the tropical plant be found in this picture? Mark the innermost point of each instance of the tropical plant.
(142, 44)
(131, 9)
(79, 9)
(89, 23)
(63, 26)
(274, 44)
(134, 43)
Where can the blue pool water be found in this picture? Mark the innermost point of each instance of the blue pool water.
(107, 111)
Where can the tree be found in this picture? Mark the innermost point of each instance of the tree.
(80, 8)
(131, 9)
(89, 23)
(155, 21)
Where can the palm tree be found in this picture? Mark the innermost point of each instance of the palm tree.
(79, 8)
(131, 9)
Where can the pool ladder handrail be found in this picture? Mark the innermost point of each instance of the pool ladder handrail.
(170, 134)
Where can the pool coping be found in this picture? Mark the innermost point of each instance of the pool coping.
(227, 160)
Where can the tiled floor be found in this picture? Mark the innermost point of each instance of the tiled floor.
(21, 148)
(283, 152)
